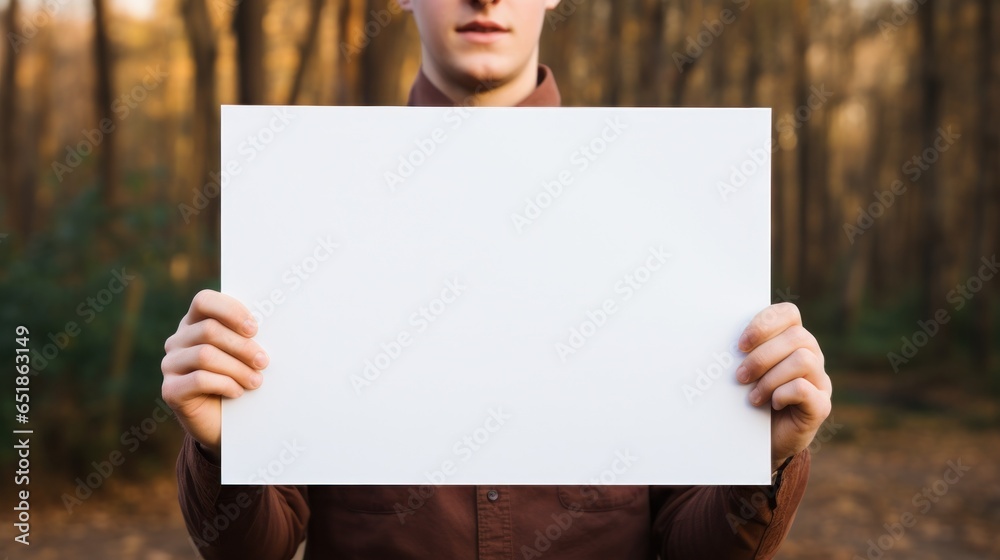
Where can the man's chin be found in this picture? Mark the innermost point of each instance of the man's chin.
(483, 73)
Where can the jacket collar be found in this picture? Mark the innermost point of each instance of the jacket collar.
(425, 94)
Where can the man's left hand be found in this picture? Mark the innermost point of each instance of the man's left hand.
(785, 361)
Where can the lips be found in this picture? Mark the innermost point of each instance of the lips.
(482, 26)
(482, 32)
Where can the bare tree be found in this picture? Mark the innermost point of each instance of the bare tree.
(382, 59)
(616, 51)
(653, 60)
(205, 121)
(248, 25)
(8, 128)
(103, 99)
(932, 261)
(801, 36)
(984, 239)
(350, 26)
(306, 49)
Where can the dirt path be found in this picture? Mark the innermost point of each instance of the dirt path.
(869, 475)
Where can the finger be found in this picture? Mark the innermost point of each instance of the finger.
(771, 321)
(179, 389)
(214, 333)
(769, 353)
(813, 405)
(209, 358)
(801, 363)
(224, 308)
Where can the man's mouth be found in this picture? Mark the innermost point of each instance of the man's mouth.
(482, 26)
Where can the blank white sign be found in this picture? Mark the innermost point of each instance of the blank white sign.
(497, 295)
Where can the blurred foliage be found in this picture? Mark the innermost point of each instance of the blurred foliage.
(46, 286)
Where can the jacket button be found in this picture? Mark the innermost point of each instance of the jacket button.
(492, 495)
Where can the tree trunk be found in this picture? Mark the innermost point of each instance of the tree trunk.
(383, 82)
(984, 240)
(718, 54)
(678, 87)
(348, 86)
(863, 252)
(8, 130)
(752, 72)
(248, 26)
(616, 48)
(801, 23)
(205, 126)
(306, 49)
(652, 60)
(931, 262)
(121, 357)
(102, 102)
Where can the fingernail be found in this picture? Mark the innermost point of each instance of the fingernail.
(744, 341)
(755, 396)
(260, 360)
(741, 374)
(256, 379)
(249, 326)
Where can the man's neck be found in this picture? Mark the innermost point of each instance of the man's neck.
(486, 94)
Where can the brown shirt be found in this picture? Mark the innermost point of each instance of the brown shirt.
(485, 522)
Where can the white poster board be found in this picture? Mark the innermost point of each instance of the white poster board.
(497, 295)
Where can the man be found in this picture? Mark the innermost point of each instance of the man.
(485, 53)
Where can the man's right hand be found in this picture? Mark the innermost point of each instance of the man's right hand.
(212, 355)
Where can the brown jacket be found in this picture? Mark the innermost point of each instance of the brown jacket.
(486, 522)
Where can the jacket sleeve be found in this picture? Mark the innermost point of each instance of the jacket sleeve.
(721, 522)
(266, 522)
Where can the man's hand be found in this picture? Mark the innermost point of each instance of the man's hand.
(212, 355)
(785, 362)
